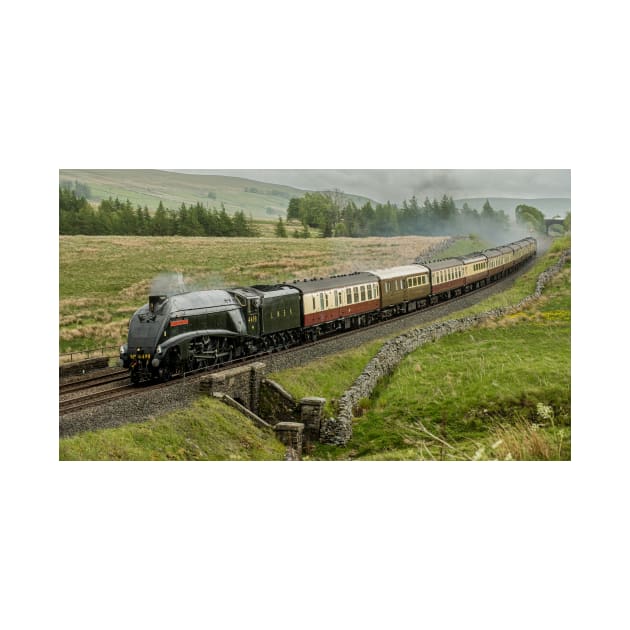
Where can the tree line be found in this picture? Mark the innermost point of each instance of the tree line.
(113, 216)
(327, 212)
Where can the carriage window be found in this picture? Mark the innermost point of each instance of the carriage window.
(313, 303)
(376, 290)
(336, 299)
(326, 296)
(355, 292)
(349, 296)
(321, 301)
(369, 291)
(363, 294)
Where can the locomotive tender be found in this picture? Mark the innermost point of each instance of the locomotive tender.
(172, 334)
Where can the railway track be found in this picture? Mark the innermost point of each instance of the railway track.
(101, 397)
(95, 398)
(92, 381)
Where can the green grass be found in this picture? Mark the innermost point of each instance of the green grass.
(501, 391)
(104, 279)
(208, 430)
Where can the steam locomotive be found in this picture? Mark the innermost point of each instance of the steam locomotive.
(173, 334)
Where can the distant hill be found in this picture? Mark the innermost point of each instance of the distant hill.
(149, 187)
(548, 206)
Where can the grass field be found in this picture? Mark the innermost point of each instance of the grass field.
(501, 391)
(104, 279)
(208, 430)
(498, 392)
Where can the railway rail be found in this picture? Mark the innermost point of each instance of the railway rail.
(95, 398)
(89, 382)
(69, 405)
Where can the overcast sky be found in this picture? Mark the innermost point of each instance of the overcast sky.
(397, 185)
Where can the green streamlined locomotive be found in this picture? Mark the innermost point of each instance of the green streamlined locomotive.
(173, 334)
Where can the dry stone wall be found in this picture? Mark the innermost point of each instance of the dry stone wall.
(81, 367)
(338, 430)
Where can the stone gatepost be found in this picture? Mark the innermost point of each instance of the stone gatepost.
(255, 377)
(240, 383)
(311, 413)
(291, 435)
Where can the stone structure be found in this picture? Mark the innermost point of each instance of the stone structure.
(240, 383)
(550, 222)
(265, 402)
(311, 414)
(291, 435)
(277, 405)
(228, 400)
(338, 430)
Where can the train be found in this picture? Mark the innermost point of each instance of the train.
(176, 333)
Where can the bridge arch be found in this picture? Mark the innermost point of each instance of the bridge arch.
(550, 222)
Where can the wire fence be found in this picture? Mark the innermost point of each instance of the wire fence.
(78, 355)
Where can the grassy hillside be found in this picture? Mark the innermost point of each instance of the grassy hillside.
(208, 430)
(498, 392)
(501, 391)
(149, 187)
(104, 279)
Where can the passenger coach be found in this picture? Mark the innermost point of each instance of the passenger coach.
(340, 302)
(447, 277)
(403, 289)
(475, 270)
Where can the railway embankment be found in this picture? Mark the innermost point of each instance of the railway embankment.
(337, 430)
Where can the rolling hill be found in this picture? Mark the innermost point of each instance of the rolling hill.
(149, 187)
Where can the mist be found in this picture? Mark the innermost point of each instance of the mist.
(395, 185)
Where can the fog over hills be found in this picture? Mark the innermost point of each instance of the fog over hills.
(396, 185)
(265, 193)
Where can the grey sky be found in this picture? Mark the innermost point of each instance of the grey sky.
(397, 185)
